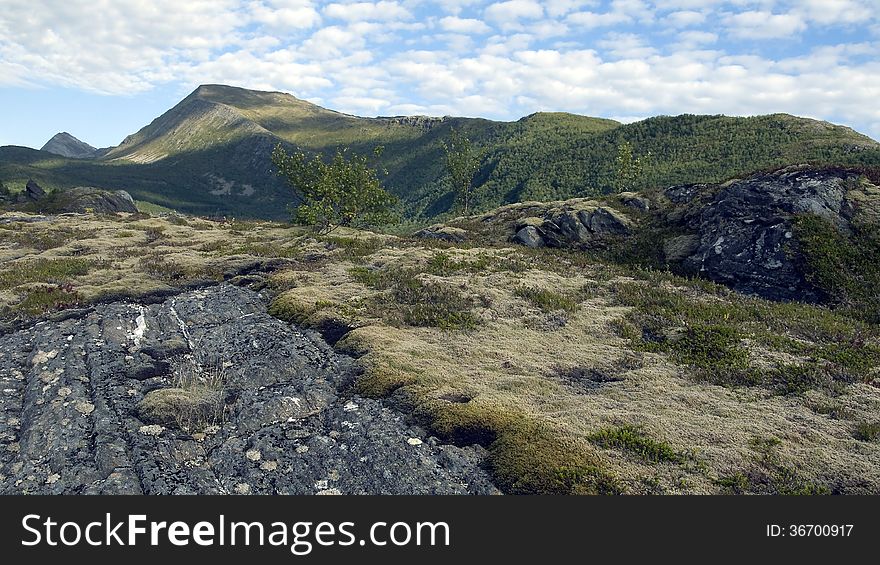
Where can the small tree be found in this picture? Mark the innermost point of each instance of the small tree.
(462, 164)
(628, 168)
(342, 192)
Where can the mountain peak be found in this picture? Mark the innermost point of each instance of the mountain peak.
(66, 145)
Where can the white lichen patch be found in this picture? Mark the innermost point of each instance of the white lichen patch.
(350, 407)
(83, 407)
(41, 356)
(253, 454)
(151, 430)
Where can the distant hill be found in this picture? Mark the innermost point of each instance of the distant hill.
(66, 145)
(209, 154)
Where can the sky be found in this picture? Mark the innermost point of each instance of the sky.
(102, 69)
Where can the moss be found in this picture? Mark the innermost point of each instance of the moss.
(634, 440)
(190, 409)
(525, 456)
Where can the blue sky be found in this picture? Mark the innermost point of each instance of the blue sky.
(102, 69)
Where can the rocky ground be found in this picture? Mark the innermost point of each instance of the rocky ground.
(81, 409)
(563, 347)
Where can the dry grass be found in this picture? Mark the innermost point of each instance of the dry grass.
(519, 381)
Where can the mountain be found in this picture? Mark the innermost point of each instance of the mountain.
(66, 145)
(210, 153)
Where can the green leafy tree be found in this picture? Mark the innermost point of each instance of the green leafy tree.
(342, 192)
(628, 168)
(462, 164)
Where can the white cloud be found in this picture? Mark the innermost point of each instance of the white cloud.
(368, 11)
(590, 20)
(684, 18)
(557, 8)
(510, 12)
(836, 11)
(691, 39)
(284, 15)
(506, 60)
(764, 25)
(454, 7)
(464, 25)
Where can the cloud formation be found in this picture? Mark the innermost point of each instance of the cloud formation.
(500, 59)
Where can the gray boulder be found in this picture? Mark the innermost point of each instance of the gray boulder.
(746, 240)
(87, 199)
(530, 237)
(574, 224)
(33, 191)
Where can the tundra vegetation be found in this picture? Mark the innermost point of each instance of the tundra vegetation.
(580, 371)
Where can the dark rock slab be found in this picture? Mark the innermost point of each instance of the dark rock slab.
(70, 423)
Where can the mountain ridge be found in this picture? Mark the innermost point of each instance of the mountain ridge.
(67, 145)
(210, 153)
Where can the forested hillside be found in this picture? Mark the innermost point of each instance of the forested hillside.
(210, 154)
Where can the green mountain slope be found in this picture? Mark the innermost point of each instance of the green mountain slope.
(210, 153)
(674, 150)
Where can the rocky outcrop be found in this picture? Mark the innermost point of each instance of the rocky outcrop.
(442, 233)
(203, 393)
(33, 191)
(80, 200)
(573, 224)
(85, 199)
(66, 145)
(424, 123)
(743, 232)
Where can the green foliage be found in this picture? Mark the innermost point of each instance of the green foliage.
(354, 248)
(44, 299)
(547, 300)
(42, 240)
(867, 431)
(710, 335)
(545, 156)
(462, 164)
(846, 268)
(634, 440)
(51, 271)
(628, 168)
(414, 302)
(342, 192)
(442, 264)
